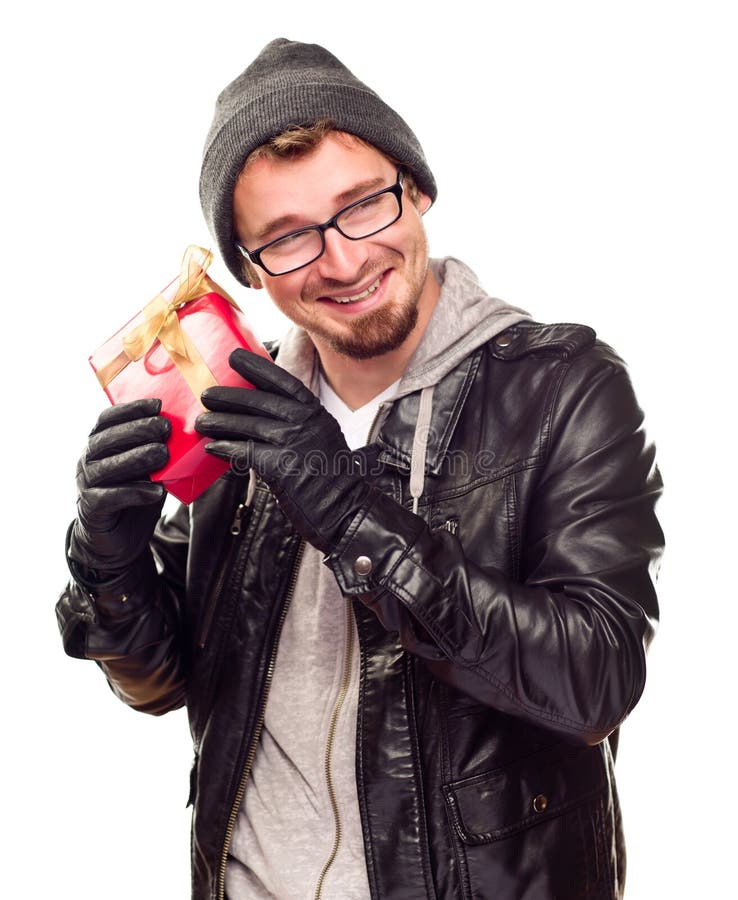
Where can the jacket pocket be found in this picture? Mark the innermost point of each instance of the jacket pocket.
(536, 829)
(510, 799)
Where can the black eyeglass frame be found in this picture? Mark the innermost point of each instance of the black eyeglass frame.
(254, 256)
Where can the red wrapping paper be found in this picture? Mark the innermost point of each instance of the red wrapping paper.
(215, 326)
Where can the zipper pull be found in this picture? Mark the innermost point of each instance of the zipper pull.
(237, 516)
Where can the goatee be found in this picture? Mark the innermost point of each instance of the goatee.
(379, 331)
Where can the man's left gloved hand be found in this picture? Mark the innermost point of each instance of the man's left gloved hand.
(281, 430)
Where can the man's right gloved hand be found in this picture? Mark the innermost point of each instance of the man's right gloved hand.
(118, 505)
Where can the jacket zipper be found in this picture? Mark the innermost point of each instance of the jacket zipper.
(371, 436)
(345, 681)
(256, 733)
(207, 621)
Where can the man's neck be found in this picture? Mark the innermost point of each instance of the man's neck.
(357, 381)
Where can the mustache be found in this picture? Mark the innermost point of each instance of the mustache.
(369, 272)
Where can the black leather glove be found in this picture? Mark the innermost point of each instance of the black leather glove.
(281, 430)
(117, 505)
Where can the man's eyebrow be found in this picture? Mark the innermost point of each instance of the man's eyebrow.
(283, 224)
(358, 190)
(275, 228)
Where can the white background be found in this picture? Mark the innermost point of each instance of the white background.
(586, 160)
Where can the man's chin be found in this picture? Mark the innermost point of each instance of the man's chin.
(374, 334)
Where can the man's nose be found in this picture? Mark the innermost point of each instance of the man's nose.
(343, 258)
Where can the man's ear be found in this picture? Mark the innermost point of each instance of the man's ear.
(423, 203)
(251, 274)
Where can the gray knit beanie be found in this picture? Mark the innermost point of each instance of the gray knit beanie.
(292, 84)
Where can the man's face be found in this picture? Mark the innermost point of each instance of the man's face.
(360, 298)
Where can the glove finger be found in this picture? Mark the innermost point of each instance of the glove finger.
(123, 468)
(127, 412)
(226, 426)
(270, 462)
(100, 503)
(264, 374)
(263, 403)
(118, 438)
(237, 453)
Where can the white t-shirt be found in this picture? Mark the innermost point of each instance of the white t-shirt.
(355, 423)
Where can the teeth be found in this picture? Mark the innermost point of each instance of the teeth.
(355, 297)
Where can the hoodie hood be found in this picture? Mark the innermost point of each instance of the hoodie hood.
(465, 317)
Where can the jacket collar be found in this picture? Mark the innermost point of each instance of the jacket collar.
(397, 431)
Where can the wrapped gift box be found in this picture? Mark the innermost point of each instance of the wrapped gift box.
(173, 349)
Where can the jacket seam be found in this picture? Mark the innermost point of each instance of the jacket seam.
(513, 530)
(361, 786)
(530, 462)
(417, 764)
(459, 849)
(604, 446)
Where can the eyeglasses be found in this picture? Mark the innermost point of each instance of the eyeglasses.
(356, 221)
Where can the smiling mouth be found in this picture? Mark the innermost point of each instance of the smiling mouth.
(354, 298)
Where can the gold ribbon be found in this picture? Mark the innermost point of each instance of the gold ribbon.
(160, 322)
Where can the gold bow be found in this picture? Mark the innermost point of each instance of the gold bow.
(160, 322)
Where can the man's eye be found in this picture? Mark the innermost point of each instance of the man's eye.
(293, 242)
(366, 207)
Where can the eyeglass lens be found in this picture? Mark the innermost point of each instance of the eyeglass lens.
(357, 221)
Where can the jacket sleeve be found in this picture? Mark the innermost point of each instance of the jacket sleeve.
(134, 632)
(564, 647)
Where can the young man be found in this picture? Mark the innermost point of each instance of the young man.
(409, 621)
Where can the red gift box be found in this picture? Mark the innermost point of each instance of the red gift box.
(173, 349)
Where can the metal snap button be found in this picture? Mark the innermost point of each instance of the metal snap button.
(540, 803)
(362, 565)
(503, 340)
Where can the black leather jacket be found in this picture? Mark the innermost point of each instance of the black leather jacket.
(502, 630)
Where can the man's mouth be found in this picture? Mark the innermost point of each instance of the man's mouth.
(362, 295)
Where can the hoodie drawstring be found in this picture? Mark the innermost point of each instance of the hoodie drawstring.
(251, 488)
(420, 445)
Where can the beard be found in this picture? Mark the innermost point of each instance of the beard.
(378, 331)
(375, 333)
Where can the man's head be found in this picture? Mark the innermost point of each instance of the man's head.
(294, 144)
(337, 234)
(292, 84)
